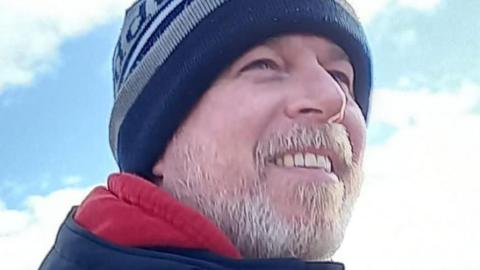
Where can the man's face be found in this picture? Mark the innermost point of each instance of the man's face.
(273, 150)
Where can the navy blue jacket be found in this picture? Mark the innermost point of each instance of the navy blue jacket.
(77, 249)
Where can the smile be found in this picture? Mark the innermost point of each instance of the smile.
(304, 160)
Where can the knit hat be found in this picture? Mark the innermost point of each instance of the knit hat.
(170, 51)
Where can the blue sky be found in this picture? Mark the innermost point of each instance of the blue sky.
(57, 126)
(421, 184)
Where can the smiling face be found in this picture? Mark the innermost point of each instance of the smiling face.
(272, 152)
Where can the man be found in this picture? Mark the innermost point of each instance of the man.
(239, 128)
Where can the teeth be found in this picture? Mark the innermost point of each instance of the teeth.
(324, 162)
(329, 165)
(288, 161)
(307, 160)
(299, 160)
(310, 160)
(321, 162)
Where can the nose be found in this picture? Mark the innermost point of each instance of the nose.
(317, 96)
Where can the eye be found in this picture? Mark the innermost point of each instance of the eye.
(261, 64)
(341, 78)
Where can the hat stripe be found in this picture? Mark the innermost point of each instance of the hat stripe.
(143, 50)
(148, 33)
(163, 46)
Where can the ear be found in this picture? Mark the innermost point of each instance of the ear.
(158, 172)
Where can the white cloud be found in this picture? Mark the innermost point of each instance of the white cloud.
(30, 233)
(419, 207)
(72, 180)
(405, 38)
(424, 5)
(368, 10)
(32, 32)
(403, 107)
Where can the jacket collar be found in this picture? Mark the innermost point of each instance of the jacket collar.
(133, 212)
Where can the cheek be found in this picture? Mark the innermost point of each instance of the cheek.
(226, 126)
(236, 116)
(356, 127)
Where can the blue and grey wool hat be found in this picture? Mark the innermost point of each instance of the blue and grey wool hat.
(170, 51)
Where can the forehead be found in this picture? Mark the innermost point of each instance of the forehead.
(294, 42)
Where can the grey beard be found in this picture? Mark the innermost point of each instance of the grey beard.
(252, 223)
(258, 231)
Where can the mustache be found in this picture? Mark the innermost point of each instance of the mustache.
(299, 137)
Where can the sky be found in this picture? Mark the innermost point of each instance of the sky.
(420, 195)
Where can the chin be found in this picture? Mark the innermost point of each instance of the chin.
(318, 231)
(315, 215)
